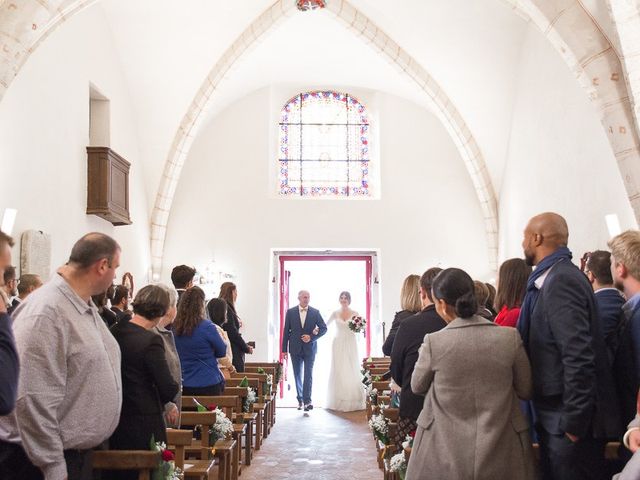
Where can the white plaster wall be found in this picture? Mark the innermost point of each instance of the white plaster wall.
(559, 157)
(427, 214)
(44, 129)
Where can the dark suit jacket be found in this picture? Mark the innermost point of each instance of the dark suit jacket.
(387, 346)
(609, 302)
(572, 382)
(10, 366)
(147, 384)
(238, 345)
(121, 316)
(405, 355)
(291, 341)
(14, 304)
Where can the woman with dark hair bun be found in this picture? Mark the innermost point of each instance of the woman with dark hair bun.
(472, 373)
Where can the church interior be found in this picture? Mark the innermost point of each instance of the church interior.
(478, 114)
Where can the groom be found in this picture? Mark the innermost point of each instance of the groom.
(300, 336)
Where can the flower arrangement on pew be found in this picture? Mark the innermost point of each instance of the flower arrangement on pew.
(269, 380)
(223, 427)
(167, 469)
(380, 426)
(357, 324)
(366, 378)
(252, 398)
(398, 464)
(399, 461)
(279, 369)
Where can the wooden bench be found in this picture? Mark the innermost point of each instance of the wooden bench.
(223, 450)
(229, 404)
(178, 441)
(265, 396)
(247, 419)
(144, 461)
(258, 408)
(271, 369)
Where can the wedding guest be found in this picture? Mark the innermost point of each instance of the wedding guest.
(69, 393)
(120, 297)
(147, 382)
(171, 409)
(574, 400)
(27, 283)
(217, 310)
(471, 425)
(405, 354)
(10, 288)
(512, 284)
(8, 353)
(482, 295)
(199, 346)
(182, 278)
(229, 293)
(609, 300)
(410, 304)
(105, 313)
(491, 300)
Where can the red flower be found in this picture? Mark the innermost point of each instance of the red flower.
(413, 434)
(167, 455)
(212, 407)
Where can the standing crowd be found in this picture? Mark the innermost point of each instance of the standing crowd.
(552, 357)
(84, 367)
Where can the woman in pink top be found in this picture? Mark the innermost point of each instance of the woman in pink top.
(512, 284)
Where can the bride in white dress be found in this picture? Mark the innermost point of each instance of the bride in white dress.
(345, 392)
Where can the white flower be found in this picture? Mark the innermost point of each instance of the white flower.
(379, 424)
(397, 462)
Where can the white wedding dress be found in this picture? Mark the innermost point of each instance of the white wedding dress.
(345, 392)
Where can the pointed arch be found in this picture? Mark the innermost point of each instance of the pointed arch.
(363, 27)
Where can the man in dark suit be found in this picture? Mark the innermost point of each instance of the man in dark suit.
(574, 395)
(10, 288)
(182, 278)
(609, 300)
(27, 284)
(8, 353)
(299, 339)
(404, 354)
(120, 298)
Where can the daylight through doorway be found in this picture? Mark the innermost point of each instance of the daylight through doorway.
(324, 278)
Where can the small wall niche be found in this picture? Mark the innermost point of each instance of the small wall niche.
(99, 119)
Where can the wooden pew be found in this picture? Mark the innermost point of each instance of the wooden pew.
(228, 404)
(258, 408)
(270, 369)
(145, 461)
(247, 418)
(222, 450)
(265, 395)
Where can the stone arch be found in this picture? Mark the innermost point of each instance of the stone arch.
(597, 65)
(24, 24)
(362, 26)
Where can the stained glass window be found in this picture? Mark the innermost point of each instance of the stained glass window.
(324, 146)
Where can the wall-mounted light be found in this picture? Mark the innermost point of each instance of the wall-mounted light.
(613, 224)
(8, 220)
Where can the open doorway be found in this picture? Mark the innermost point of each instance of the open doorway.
(324, 276)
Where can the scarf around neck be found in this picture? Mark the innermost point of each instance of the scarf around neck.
(532, 292)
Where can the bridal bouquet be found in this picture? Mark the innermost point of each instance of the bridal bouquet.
(357, 324)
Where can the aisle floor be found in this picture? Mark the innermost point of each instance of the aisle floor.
(320, 445)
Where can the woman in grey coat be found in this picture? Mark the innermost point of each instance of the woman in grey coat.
(171, 409)
(472, 372)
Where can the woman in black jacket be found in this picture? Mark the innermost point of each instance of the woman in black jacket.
(410, 303)
(147, 383)
(229, 293)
